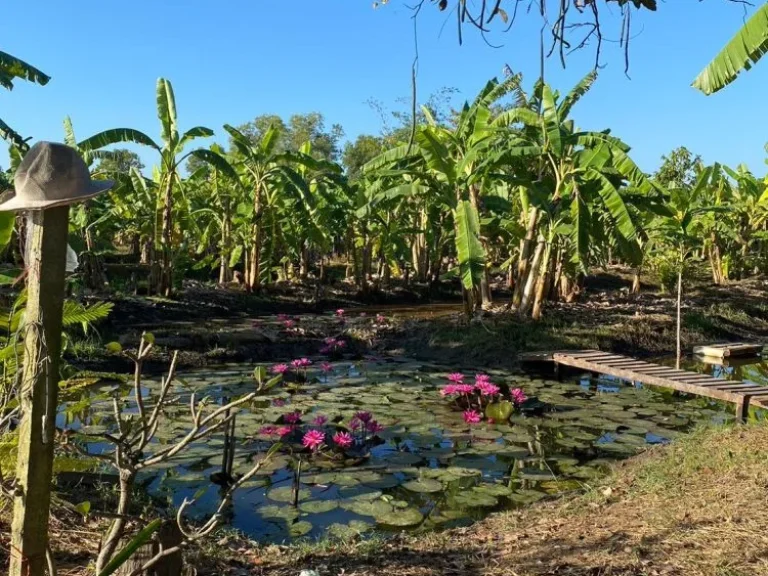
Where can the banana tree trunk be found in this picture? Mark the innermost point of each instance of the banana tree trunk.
(636, 281)
(679, 304)
(525, 302)
(419, 253)
(166, 239)
(542, 282)
(304, 263)
(254, 274)
(226, 234)
(525, 252)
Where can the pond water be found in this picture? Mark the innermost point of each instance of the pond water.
(427, 469)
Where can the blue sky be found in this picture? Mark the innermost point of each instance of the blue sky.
(235, 59)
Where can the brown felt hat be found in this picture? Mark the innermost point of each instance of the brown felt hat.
(51, 175)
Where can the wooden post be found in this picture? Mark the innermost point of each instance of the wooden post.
(39, 388)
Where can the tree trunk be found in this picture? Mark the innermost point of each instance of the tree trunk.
(636, 281)
(254, 274)
(530, 283)
(542, 283)
(525, 252)
(419, 248)
(115, 532)
(304, 263)
(166, 239)
(224, 272)
(679, 304)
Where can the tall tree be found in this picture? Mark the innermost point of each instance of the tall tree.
(358, 153)
(679, 170)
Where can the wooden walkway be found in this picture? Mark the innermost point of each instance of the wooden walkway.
(742, 394)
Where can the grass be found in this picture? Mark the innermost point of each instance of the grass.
(693, 508)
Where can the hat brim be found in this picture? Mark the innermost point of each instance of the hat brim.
(96, 187)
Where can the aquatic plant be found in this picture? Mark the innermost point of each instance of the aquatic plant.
(313, 440)
(482, 397)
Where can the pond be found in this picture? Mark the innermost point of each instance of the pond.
(427, 468)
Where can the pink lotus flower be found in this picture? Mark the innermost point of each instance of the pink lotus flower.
(355, 424)
(518, 396)
(319, 421)
(456, 378)
(487, 389)
(482, 378)
(313, 440)
(279, 369)
(292, 418)
(340, 344)
(284, 431)
(340, 312)
(268, 430)
(279, 402)
(289, 324)
(364, 417)
(472, 417)
(343, 439)
(330, 341)
(373, 427)
(326, 367)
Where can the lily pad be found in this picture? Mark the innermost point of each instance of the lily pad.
(285, 494)
(318, 506)
(534, 474)
(401, 517)
(348, 531)
(494, 489)
(278, 512)
(376, 508)
(300, 528)
(527, 496)
(474, 499)
(423, 485)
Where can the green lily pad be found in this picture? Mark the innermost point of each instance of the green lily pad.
(278, 512)
(374, 508)
(385, 481)
(403, 458)
(300, 528)
(360, 493)
(534, 474)
(285, 494)
(474, 499)
(348, 531)
(401, 517)
(527, 496)
(423, 485)
(494, 489)
(318, 506)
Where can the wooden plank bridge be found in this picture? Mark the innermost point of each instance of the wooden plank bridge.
(742, 394)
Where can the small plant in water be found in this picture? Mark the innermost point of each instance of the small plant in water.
(481, 397)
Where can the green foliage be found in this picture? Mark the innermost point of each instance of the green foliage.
(746, 48)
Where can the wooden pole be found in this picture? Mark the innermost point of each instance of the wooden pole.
(39, 388)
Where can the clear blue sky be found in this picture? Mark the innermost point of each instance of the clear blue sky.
(232, 60)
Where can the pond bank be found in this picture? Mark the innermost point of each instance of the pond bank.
(690, 508)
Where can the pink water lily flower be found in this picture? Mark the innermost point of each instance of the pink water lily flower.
(279, 402)
(374, 427)
(456, 377)
(482, 378)
(472, 417)
(313, 439)
(364, 417)
(330, 341)
(282, 317)
(381, 319)
(343, 439)
(292, 418)
(487, 389)
(268, 430)
(355, 424)
(518, 396)
(279, 369)
(289, 323)
(320, 420)
(284, 431)
(326, 367)
(340, 312)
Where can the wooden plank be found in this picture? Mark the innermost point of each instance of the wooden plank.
(753, 390)
(591, 355)
(729, 349)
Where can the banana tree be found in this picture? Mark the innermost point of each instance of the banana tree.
(11, 68)
(744, 50)
(576, 192)
(172, 156)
